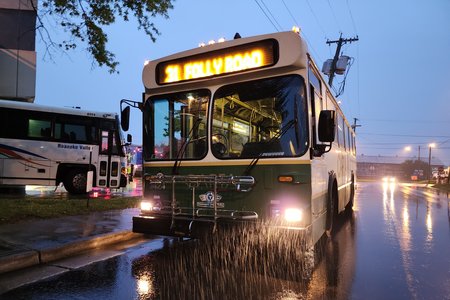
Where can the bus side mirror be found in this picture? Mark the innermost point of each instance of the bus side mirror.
(326, 130)
(327, 124)
(125, 118)
(129, 138)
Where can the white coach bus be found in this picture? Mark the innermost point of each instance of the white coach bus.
(43, 145)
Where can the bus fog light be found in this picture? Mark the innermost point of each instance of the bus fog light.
(146, 206)
(293, 215)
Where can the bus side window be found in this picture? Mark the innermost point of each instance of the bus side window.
(349, 144)
(337, 138)
(39, 128)
(76, 132)
(340, 131)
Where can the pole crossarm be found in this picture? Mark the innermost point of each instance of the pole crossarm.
(341, 41)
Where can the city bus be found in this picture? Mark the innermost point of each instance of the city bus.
(43, 145)
(241, 132)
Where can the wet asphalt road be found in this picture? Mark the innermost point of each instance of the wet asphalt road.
(395, 245)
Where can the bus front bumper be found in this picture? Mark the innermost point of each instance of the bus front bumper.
(184, 226)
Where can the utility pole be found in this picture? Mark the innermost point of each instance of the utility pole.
(339, 42)
(418, 158)
(354, 124)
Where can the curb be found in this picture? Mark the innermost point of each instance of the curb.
(42, 256)
(19, 261)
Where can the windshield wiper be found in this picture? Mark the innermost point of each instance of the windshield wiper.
(276, 137)
(183, 147)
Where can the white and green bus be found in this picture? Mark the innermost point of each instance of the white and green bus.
(243, 131)
(43, 145)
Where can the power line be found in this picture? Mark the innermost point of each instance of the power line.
(334, 16)
(351, 17)
(268, 18)
(405, 121)
(273, 17)
(405, 135)
(357, 76)
(401, 144)
(359, 146)
(317, 19)
(342, 83)
(303, 33)
(290, 13)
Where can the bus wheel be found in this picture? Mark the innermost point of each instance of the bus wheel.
(331, 211)
(75, 182)
(349, 206)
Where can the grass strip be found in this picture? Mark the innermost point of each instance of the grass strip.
(13, 209)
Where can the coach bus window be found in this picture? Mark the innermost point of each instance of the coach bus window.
(74, 130)
(179, 125)
(264, 118)
(39, 128)
(115, 148)
(104, 141)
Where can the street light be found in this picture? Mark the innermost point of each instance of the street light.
(432, 145)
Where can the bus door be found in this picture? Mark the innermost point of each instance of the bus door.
(108, 172)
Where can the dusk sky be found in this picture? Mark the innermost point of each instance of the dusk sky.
(398, 86)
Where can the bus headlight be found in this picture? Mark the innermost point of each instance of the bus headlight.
(293, 215)
(146, 206)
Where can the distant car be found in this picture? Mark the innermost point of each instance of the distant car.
(389, 183)
(389, 179)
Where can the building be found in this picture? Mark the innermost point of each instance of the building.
(17, 49)
(379, 166)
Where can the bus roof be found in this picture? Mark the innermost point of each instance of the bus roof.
(58, 110)
(283, 57)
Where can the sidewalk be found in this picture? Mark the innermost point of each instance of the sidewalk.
(36, 242)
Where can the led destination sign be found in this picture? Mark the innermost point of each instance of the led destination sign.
(220, 62)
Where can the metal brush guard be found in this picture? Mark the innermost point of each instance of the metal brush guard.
(225, 182)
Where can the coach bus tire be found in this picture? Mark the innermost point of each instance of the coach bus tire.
(75, 182)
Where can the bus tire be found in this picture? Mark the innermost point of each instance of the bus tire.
(349, 206)
(332, 202)
(75, 181)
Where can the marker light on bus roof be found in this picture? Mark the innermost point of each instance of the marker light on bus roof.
(211, 42)
(146, 62)
(296, 29)
(221, 40)
(201, 44)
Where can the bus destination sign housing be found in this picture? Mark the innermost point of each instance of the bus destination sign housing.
(239, 58)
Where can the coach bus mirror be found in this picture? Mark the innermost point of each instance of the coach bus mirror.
(129, 138)
(125, 118)
(327, 123)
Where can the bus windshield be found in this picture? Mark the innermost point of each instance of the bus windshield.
(179, 125)
(263, 118)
